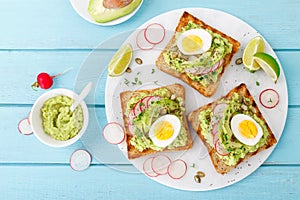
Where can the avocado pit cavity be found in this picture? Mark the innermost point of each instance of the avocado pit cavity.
(116, 3)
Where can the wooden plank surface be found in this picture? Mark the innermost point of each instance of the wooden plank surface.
(54, 24)
(59, 182)
(22, 67)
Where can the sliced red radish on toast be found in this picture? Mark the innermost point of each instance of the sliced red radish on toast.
(113, 133)
(269, 98)
(80, 160)
(131, 128)
(153, 99)
(147, 168)
(220, 149)
(177, 169)
(136, 109)
(217, 65)
(155, 33)
(219, 110)
(141, 41)
(160, 164)
(24, 127)
(215, 129)
(144, 103)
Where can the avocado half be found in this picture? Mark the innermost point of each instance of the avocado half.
(101, 14)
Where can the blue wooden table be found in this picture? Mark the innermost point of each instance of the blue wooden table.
(49, 35)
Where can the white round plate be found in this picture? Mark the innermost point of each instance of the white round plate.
(81, 7)
(197, 158)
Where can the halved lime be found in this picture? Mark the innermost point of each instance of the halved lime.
(269, 64)
(120, 61)
(255, 45)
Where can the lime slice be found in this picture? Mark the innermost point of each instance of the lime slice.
(120, 61)
(268, 64)
(255, 45)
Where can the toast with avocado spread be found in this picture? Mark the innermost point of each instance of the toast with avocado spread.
(215, 127)
(141, 108)
(202, 71)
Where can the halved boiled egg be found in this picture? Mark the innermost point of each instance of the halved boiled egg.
(194, 41)
(164, 130)
(246, 129)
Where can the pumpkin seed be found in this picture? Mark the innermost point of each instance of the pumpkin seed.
(239, 61)
(197, 179)
(128, 70)
(201, 174)
(139, 61)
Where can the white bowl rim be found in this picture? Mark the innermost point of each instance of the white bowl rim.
(37, 127)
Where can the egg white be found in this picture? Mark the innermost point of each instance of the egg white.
(176, 125)
(236, 120)
(203, 34)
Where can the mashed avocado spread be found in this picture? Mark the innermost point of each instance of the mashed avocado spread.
(58, 121)
(167, 104)
(236, 149)
(219, 48)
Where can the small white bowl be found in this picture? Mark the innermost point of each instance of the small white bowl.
(36, 119)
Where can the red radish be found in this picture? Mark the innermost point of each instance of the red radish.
(143, 103)
(80, 160)
(131, 128)
(131, 116)
(219, 110)
(136, 109)
(177, 169)
(217, 65)
(269, 98)
(148, 169)
(155, 33)
(160, 164)
(45, 81)
(153, 99)
(215, 128)
(113, 133)
(220, 149)
(141, 42)
(24, 127)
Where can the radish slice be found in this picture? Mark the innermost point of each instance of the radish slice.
(113, 133)
(24, 127)
(269, 98)
(177, 169)
(220, 149)
(217, 65)
(144, 103)
(215, 129)
(153, 99)
(147, 167)
(141, 42)
(219, 110)
(136, 109)
(80, 160)
(131, 128)
(160, 164)
(155, 33)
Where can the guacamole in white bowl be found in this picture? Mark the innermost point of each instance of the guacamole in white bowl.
(52, 121)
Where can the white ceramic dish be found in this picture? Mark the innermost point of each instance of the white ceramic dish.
(81, 7)
(36, 120)
(197, 158)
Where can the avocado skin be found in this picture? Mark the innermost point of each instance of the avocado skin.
(102, 15)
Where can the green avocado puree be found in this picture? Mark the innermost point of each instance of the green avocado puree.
(219, 48)
(58, 121)
(236, 149)
(143, 122)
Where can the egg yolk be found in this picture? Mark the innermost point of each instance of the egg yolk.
(163, 130)
(248, 129)
(192, 43)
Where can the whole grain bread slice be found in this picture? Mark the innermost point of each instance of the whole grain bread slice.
(220, 166)
(165, 67)
(176, 89)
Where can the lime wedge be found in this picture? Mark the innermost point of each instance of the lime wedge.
(255, 45)
(120, 61)
(268, 64)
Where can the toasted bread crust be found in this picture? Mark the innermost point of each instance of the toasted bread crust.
(176, 89)
(218, 163)
(163, 66)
